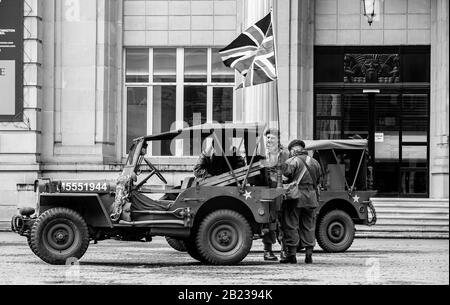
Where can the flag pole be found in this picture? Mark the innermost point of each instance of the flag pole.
(276, 66)
(279, 177)
(279, 174)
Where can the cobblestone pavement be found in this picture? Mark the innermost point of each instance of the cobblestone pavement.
(368, 261)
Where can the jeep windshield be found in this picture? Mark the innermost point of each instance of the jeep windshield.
(244, 139)
(133, 158)
(131, 155)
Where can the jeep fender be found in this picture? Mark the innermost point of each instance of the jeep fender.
(259, 205)
(95, 209)
(339, 204)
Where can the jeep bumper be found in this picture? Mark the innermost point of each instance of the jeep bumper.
(22, 224)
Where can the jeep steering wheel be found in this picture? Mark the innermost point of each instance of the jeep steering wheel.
(155, 170)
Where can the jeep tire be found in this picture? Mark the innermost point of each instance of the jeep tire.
(191, 248)
(224, 238)
(176, 244)
(29, 243)
(335, 231)
(59, 235)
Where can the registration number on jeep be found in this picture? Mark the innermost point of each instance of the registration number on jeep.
(83, 187)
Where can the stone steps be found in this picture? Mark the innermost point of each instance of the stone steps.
(408, 218)
(408, 221)
(402, 235)
(6, 213)
(5, 225)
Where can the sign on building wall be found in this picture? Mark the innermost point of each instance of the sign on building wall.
(11, 59)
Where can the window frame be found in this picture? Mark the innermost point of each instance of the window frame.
(180, 84)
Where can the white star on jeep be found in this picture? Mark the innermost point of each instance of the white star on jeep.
(247, 195)
(356, 198)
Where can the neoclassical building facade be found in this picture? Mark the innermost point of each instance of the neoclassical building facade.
(98, 73)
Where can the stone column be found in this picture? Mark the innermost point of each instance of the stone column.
(439, 152)
(87, 77)
(296, 46)
(108, 79)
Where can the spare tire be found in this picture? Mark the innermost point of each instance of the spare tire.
(336, 231)
(177, 244)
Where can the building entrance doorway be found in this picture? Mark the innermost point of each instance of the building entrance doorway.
(395, 121)
(379, 93)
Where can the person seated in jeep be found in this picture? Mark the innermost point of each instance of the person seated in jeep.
(213, 163)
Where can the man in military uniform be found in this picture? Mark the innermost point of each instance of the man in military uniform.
(276, 155)
(298, 214)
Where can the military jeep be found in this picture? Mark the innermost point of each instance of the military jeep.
(216, 218)
(345, 192)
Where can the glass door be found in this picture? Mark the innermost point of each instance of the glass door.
(386, 142)
(398, 143)
(414, 144)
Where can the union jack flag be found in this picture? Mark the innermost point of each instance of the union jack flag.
(253, 53)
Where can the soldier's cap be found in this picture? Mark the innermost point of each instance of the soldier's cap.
(296, 143)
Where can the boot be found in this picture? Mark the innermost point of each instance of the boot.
(308, 255)
(290, 257)
(269, 256)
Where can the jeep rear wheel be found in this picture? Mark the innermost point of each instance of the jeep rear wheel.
(336, 231)
(224, 238)
(59, 234)
(176, 244)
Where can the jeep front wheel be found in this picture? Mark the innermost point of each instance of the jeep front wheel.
(224, 238)
(336, 231)
(59, 234)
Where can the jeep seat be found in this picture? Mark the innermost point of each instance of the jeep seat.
(140, 202)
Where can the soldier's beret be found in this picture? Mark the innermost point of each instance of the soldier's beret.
(296, 143)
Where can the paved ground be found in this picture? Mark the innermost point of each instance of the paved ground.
(368, 261)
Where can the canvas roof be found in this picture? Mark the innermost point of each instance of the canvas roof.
(206, 130)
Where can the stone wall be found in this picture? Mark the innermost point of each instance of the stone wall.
(179, 23)
(20, 141)
(400, 22)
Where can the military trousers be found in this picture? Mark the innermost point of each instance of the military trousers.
(298, 225)
(272, 236)
(269, 239)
